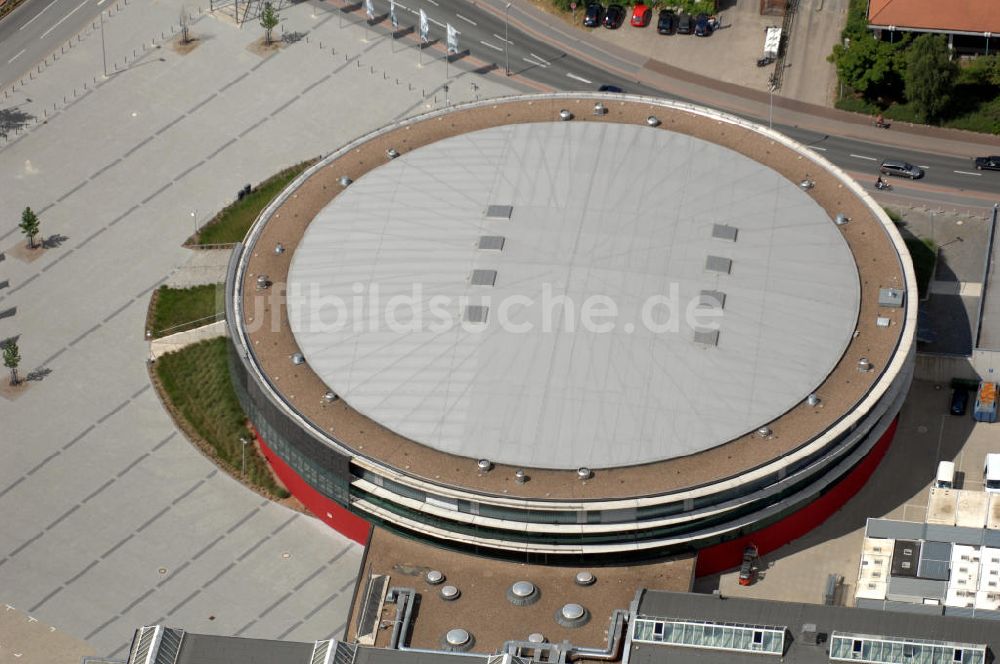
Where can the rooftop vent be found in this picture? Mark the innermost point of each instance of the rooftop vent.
(491, 242)
(520, 477)
(434, 577)
(813, 399)
(392, 153)
(810, 635)
(806, 184)
(523, 593)
(600, 109)
(476, 313)
(712, 299)
(298, 358)
(536, 637)
(565, 115)
(499, 211)
(484, 465)
(882, 321)
(279, 249)
(865, 365)
(841, 219)
(330, 397)
(457, 640)
(718, 264)
(707, 337)
(724, 232)
(263, 282)
(764, 432)
(653, 121)
(572, 615)
(450, 593)
(584, 578)
(584, 473)
(890, 297)
(344, 180)
(483, 277)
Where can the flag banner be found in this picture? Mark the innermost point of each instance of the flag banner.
(425, 26)
(452, 39)
(392, 14)
(370, 9)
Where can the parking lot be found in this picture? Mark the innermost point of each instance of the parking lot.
(898, 489)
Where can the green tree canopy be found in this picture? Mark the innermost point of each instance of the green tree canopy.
(268, 21)
(867, 65)
(29, 225)
(11, 359)
(930, 75)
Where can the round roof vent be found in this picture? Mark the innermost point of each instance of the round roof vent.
(298, 358)
(536, 637)
(572, 615)
(584, 578)
(450, 593)
(434, 577)
(584, 473)
(485, 465)
(864, 365)
(813, 399)
(262, 282)
(344, 180)
(565, 115)
(520, 477)
(653, 121)
(841, 219)
(330, 397)
(764, 432)
(523, 593)
(599, 109)
(457, 640)
(807, 184)
(279, 248)
(392, 153)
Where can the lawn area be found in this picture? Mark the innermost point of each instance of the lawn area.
(178, 309)
(923, 251)
(196, 384)
(232, 223)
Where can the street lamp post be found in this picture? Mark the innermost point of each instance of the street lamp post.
(104, 52)
(194, 221)
(506, 39)
(770, 106)
(244, 464)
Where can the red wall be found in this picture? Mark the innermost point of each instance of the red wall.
(726, 555)
(326, 510)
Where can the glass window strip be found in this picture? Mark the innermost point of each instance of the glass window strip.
(735, 637)
(873, 649)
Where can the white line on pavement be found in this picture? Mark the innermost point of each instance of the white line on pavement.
(467, 20)
(861, 156)
(19, 53)
(493, 46)
(978, 175)
(504, 40)
(437, 23)
(926, 168)
(32, 19)
(580, 78)
(814, 147)
(433, 3)
(540, 59)
(78, 7)
(534, 62)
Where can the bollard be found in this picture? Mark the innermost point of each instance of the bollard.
(371, 69)
(385, 76)
(321, 46)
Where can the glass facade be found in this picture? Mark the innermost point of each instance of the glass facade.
(737, 637)
(846, 647)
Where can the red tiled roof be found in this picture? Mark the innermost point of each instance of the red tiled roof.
(945, 15)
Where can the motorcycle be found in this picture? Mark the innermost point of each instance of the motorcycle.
(765, 61)
(882, 185)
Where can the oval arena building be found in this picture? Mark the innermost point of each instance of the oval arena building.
(574, 328)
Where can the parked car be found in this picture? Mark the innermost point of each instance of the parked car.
(991, 163)
(666, 22)
(684, 24)
(749, 566)
(614, 17)
(900, 169)
(610, 88)
(594, 15)
(702, 26)
(959, 401)
(641, 15)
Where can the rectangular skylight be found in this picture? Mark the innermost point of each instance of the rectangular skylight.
(491, 242)
(734, 637)
(724, 232)
(712, 299)
(499, 211)
(484, 277)
(718, 264)
(476, 313)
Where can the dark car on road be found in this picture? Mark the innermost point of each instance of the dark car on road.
(991, 163)
(901, 169)
(684, 24)
(615, 17)
(702, 26)
(959, 401)
(667, 21)
(594, 15)
(610, 88)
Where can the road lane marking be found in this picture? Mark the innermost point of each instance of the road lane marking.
(19, 53)
(978, 175)
(506, 41)
(534, 62)
(78, 7)
(433, 3)
(540, 59)
(467, 20)
(816, 147)
(493, 46)
(32, 19)
(580, 78)
(861, 156)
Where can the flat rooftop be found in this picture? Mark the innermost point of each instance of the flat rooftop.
(627, 216)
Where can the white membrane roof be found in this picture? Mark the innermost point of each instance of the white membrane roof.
(624, 212)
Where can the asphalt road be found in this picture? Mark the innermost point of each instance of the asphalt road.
(34, 30)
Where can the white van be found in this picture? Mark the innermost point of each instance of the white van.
(945, 475)
(991, 473)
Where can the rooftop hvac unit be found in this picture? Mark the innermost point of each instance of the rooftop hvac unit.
(810, 634)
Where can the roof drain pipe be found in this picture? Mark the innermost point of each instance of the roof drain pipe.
(611, 653)
(404, 599)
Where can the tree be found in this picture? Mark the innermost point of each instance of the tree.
(29, 226)
(868, 65)
(930, 75)
(11, 358)
(268, 21)
(185, 21)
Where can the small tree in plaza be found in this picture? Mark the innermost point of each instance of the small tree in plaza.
(11, 359)
(29, 226)
(268, 21)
